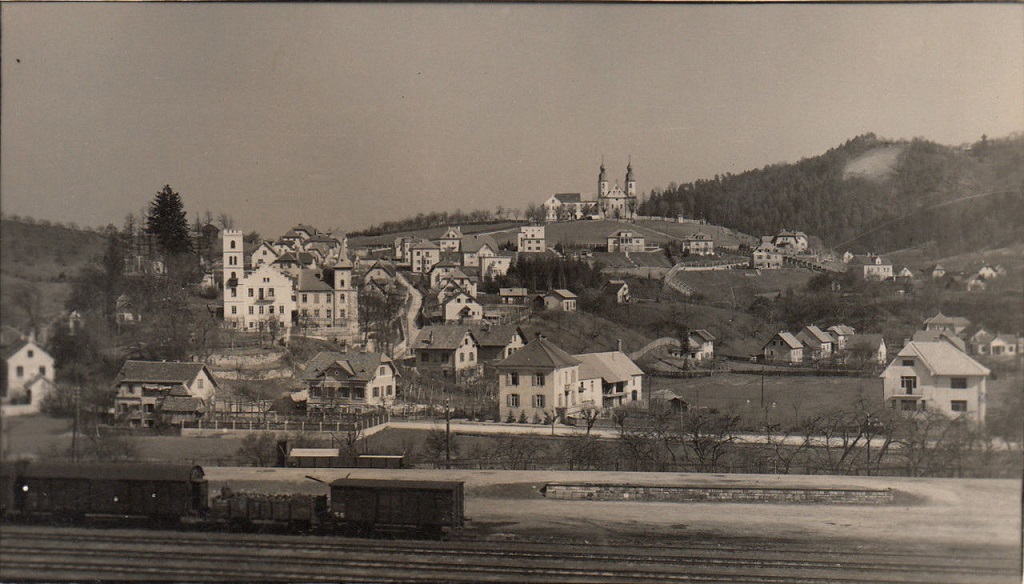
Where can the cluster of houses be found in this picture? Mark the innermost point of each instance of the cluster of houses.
(812, 344)
(628, 241)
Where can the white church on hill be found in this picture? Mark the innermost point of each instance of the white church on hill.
(612, 201)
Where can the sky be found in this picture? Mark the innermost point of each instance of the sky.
(346, 115)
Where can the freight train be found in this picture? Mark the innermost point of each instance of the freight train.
(179, 494)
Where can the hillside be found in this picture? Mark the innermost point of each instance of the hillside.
(870, 194)
(577, 332)
(36, 261)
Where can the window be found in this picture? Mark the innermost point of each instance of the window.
(305, 297)
(382, 370)
(270, 292)
(234, 292)
(958, 405)
(234, 310)
(250, 309)
(538, 379)
(328, 313)
(462, 357)
(513, 379)
(908, 362)
(148, 408)
(958, 382)
(271, 309)
(21, 371)
(538, 401)
(908, 405)
(233, 244)
(513, 400)
(31, 353)
(424, 357)
(389, 390)
(250, 292)
(444, 357)
(376, 392)
(908, 383)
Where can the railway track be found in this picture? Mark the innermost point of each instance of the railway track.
(49, 553)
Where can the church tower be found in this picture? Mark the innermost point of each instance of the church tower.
(602, 182)
(630, 181)
(346, 299)
(234, 271)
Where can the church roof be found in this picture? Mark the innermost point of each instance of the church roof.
(568, 197)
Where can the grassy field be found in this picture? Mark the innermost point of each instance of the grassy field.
(578, 332)
(787, 399)
(739, 287)
(435, 232)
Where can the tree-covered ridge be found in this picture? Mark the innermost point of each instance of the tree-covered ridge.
(962, 198)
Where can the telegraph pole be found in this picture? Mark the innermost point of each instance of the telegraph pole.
(447, 434)
(74, 431)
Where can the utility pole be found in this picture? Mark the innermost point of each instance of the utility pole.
(447, 434)
(74, 431)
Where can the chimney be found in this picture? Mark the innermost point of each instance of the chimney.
(618, 345)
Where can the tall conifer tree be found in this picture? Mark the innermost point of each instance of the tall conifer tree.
(167, 222)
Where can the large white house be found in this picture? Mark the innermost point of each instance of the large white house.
(936, 376)
(542, 380)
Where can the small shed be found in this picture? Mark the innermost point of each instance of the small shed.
(314, 458)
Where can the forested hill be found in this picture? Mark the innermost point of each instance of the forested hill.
(871, 194)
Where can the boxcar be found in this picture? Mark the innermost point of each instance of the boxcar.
(292, 510)
(74, 491)
(368, 505)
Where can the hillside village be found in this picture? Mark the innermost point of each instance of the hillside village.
(584, 317)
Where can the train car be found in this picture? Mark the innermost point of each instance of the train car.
(162, 492)
(373, 505)
(245, 510)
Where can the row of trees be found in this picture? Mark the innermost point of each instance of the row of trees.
(440, 219)
(839, 442)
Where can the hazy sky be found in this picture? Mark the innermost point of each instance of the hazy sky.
(347, 115)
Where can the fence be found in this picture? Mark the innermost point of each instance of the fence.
(286, 424)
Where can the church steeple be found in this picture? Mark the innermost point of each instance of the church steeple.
(630, 181)
(602, 181)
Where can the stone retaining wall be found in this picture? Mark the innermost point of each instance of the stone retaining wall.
(611, 492)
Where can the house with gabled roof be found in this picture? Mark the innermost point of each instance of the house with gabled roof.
(514, 295)
(531, 380)
(475, 247)
(381, 271)
(495, 266)
(142, 386)
(564, 207)
(791, 241)
(180, 406)
(337, 381)
(700, 345)
(617, 377)
(424, 255)
(625, 240)
(840, 333)
(766, 256)
(870, 347)
(451, 240)
(1000, 346)
(498, 342)
(818, 343)
(450, 349)
(264, 254)
(939, 335)
(783, 347)
(936, 377)
(936, 271)
(870, 267)
(941, 322)
(459, 306)
(617, 291)
(28, 373)
(699, 243)
(559, 299)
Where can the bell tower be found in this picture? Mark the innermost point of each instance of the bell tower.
(602, 181)
(630, 181)
(234, 271)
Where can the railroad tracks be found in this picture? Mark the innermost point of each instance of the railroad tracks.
(76, 553)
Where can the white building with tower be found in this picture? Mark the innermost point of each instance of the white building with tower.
(321, 297)
(612, 201)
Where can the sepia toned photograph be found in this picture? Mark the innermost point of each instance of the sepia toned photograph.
(511, 292)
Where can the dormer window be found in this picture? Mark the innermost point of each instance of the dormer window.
(908, 362)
